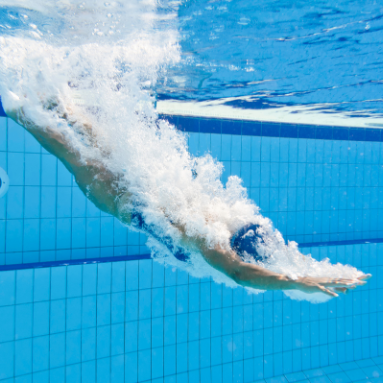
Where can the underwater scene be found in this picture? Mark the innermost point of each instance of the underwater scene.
(191, 191)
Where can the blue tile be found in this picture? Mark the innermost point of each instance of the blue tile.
(48, 202)
(231, 127)
(157, 362)
(57, 375)
(339, 377)
(3, 134)
(88, 372)
(88, 344)
(295, 377)
(357, 134)
(268, 365)
(23, 357)
(356, 375)
(73, 312)
(251, 129)
(320, 379)
(289, 130)
(372, 134)
(144, 359)
(48, 170)
(103, 370)
(188, 124)
(331, 369)
(373, 372)
(103, 341)
(117, 339)
(169, 360)
(63, 238)
(324, 133)
(277, 379)
(40, 318)
(64, 178)
(365, 363)
(32, 202)
(16, 137)
(73, 347)
(306, 131)
(117, 368)
(103, 309)
(104, 278)
(23, 321)
(144, 334)
(31, 235)
(57, 316)
(40, 353)
(340, 133)
(14, 235)
(170, 300)
(73, 373)
(270, 129)
(24, 282)
(210, 126)
(32, 169)
(313, 373)
(118, 306)
(6, 360)
(7, 333)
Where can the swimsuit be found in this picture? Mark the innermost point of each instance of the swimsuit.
(138, 222)
(244, 240)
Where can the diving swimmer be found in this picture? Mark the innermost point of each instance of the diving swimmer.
(100, 185)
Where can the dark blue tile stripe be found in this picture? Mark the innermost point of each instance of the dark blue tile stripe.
(340, 243)
(73, 262)
(269, 129)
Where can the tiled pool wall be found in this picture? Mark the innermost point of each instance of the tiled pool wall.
(136, 321)
(130, 321)
(45, 216)
(316, 183)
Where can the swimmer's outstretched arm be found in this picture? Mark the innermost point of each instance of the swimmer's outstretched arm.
(257, 277)
(95, 181)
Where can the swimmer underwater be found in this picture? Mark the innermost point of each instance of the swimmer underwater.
(98, 184)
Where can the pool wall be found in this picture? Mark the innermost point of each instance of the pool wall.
(45, 217)
(134, 320)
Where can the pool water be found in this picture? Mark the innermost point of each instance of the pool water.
(287, 95)
(84, 318)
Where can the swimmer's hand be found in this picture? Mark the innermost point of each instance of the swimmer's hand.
(329, 286)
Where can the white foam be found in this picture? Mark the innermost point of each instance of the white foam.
(106, 79)
(313, 114)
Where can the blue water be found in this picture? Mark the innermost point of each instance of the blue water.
(281, 53)
(80, 300)
(136, 321)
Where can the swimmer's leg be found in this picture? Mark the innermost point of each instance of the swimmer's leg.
(98, 183)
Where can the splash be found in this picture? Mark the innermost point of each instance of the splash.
(98, 62)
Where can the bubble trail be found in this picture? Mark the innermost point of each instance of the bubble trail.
(99, 62)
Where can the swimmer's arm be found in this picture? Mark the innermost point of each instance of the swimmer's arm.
(95, 181)
(246, 274)
(257, 277)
